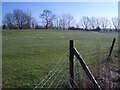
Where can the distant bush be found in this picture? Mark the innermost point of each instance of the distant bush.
(73, 28)
(98, 29)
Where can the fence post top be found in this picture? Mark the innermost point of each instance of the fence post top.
(71, 40)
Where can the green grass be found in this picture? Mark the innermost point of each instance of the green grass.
(28, 55)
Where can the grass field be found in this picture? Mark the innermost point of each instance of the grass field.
(28, 55)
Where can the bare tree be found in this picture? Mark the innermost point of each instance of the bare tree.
(104, 22)
(115, 23)
(47, 17)
(22, 19)
(9, 21)
(93, 23)
(69, 20)
(17, 19)
(60, 23)
(34, 23)
(98, 22)
(18, 15)
(85, 22)
(56, 22)
(63, 22)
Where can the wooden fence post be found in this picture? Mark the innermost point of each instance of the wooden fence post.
(71, 61)
(86, 69)
(111, 49)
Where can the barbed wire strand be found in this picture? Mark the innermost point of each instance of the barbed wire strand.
(52, 75)
(60, 79)
(52, 69)
(56, 76)
(105, 51)
(94, 53)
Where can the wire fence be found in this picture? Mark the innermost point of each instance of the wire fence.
(51, 80)
(59, 76)
(96, 62)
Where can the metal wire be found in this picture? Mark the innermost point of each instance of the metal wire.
(61, 79)
(52, 75)
(105, 52)
(56, 77)
(51, 70)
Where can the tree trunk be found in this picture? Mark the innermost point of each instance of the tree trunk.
(46, 26)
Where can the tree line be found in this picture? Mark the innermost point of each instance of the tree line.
(19, 19)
